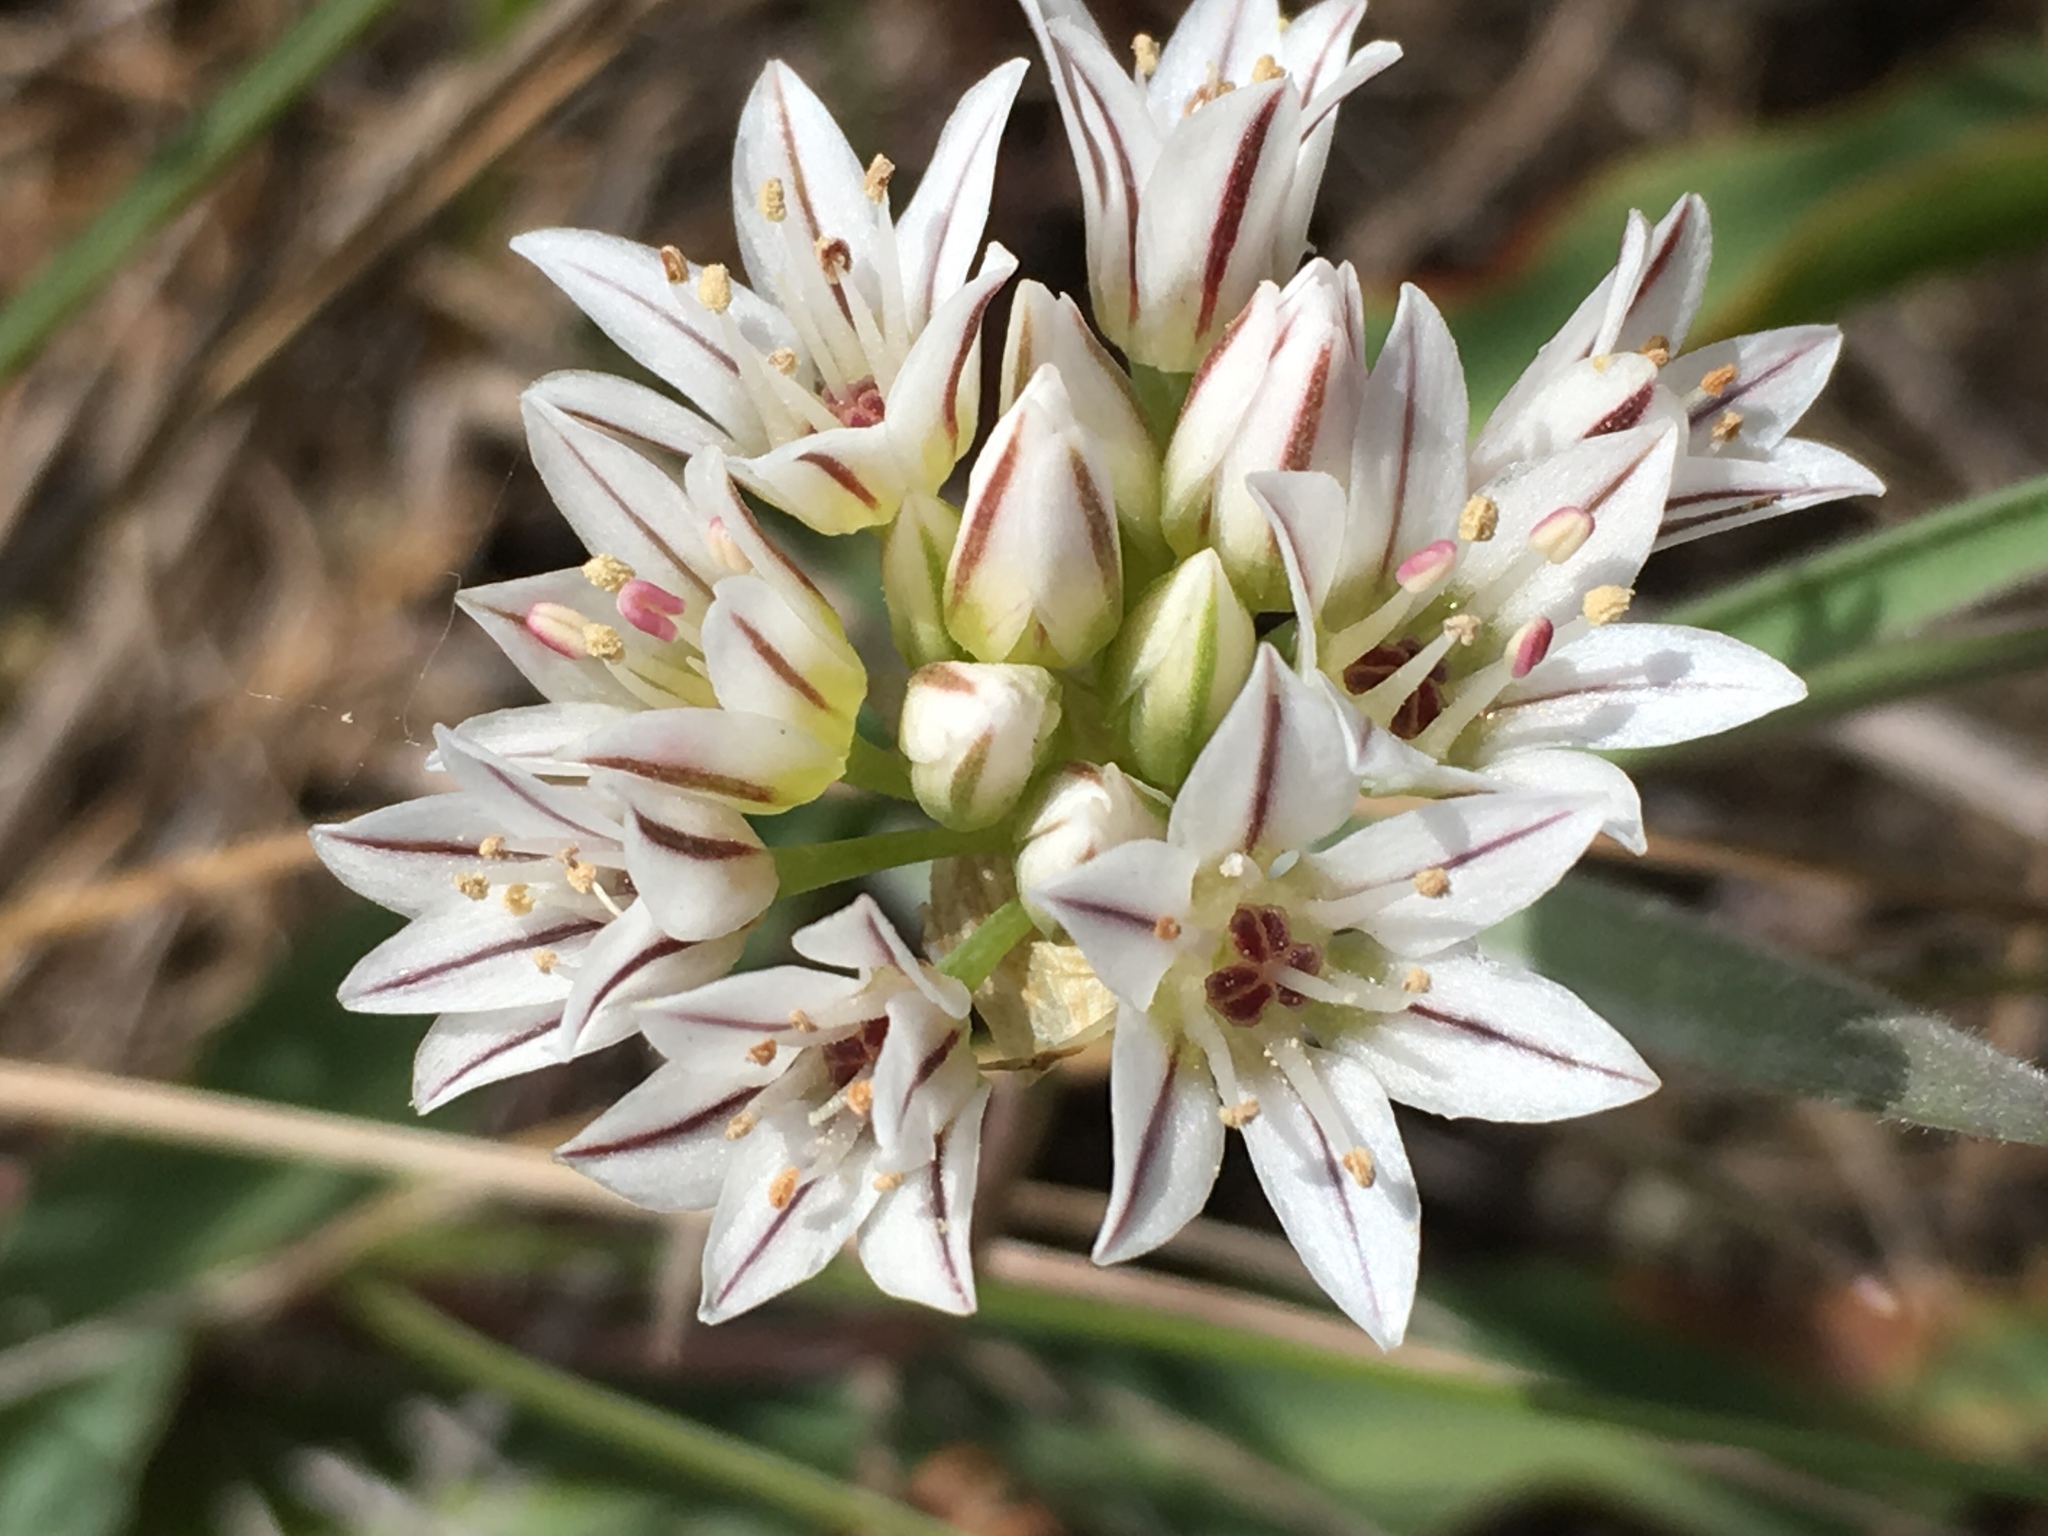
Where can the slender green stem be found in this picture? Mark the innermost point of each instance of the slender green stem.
(877, 770)
(974, 959)
(1847, 1456)
(809, 866)
(408, 1325)
(209, 143)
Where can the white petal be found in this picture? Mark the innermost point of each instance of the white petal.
(1622, 481)
(1275, 775)
(467, 1050)
(758, 1250)
(1319, 113)
(1308, 513)
(1231, 374)
(708, 481)
(408, 856)
(1210, 219)
(664, 1145)
(746, 760)
(834, 481)
(631, 410)
(785, 133)
(1114, 144)
(1408, 479)
(536, 737)
(1778, 374)
(916, 1244)
(622, 286)
(631, 961)
(1362, 1244)
(1495, 1042)
(619, 503)
(1672, 279)
(1561, 771)
(1213, 39)
(1317, 44)
(860, 937)
(1120, 906)
(714, 1026)
(501, 610)
(1711, 493)
(1498, 853)
(935, 403)
(763, 657)
(1639, 685)
(475, 956)
(701, 871)
(1168, 1135)
(528, 805)
(1381, 763)
(940, 230)
(923, 1078)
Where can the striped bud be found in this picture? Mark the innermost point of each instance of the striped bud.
(1180, 659)
(975, 733)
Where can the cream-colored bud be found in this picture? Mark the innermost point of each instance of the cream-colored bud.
(974, 734)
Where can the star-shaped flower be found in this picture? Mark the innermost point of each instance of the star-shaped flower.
(809, 1105)
(847, 377)
(1291, 992)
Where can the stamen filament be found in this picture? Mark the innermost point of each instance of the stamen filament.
(1384, 700)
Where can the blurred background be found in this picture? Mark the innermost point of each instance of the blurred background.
(240, 485)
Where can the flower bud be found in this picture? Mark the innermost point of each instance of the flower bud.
(915, 549)
(1036, 576)
(1182, 656)
(1084, 810)
(1280, 391)
(974, 734)
(1048, 329)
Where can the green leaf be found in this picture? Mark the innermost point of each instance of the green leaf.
(1951, 160)
(71, 1458)
(1888, 584)
(207, 147)
(1685, 991)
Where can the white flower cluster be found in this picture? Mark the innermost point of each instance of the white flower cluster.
(1089, 699)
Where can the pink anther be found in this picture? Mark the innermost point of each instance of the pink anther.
(648, 608)
(1531, 643)
(1562, 534)
(1427, 566)
(558, 628)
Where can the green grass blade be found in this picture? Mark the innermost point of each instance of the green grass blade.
(1824, 607)
(1685, 991)
(183, 170)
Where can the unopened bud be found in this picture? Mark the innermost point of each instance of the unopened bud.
(915, 550)
(1083, 811)
(1180, 659)
(975, 733)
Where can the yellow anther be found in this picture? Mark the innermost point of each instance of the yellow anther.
(763, 1053)
(860, 1096)
(1479, 520)
(1415, 981)
(608, 573)
(876, 183)
(1658, 350)
(1463, 627)
(1726, 426)
(518, 899)
(714, 288)
(476, 887)
(1167, 928)
(1717, 381)
(1358, 1163)
(492, 847)
(884, 1182)
(740, 1126)
(783, 361)
(582, 877)
(782, 1188)
(1145, 53)
(773, 207)
(835, 257)
(1603, 605)
(1603, 362)
(545, 961)
(1265, 68)
(603, 643)
(673, 266)
(1240, 1114)
(802, 1022)
(1432, 882)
